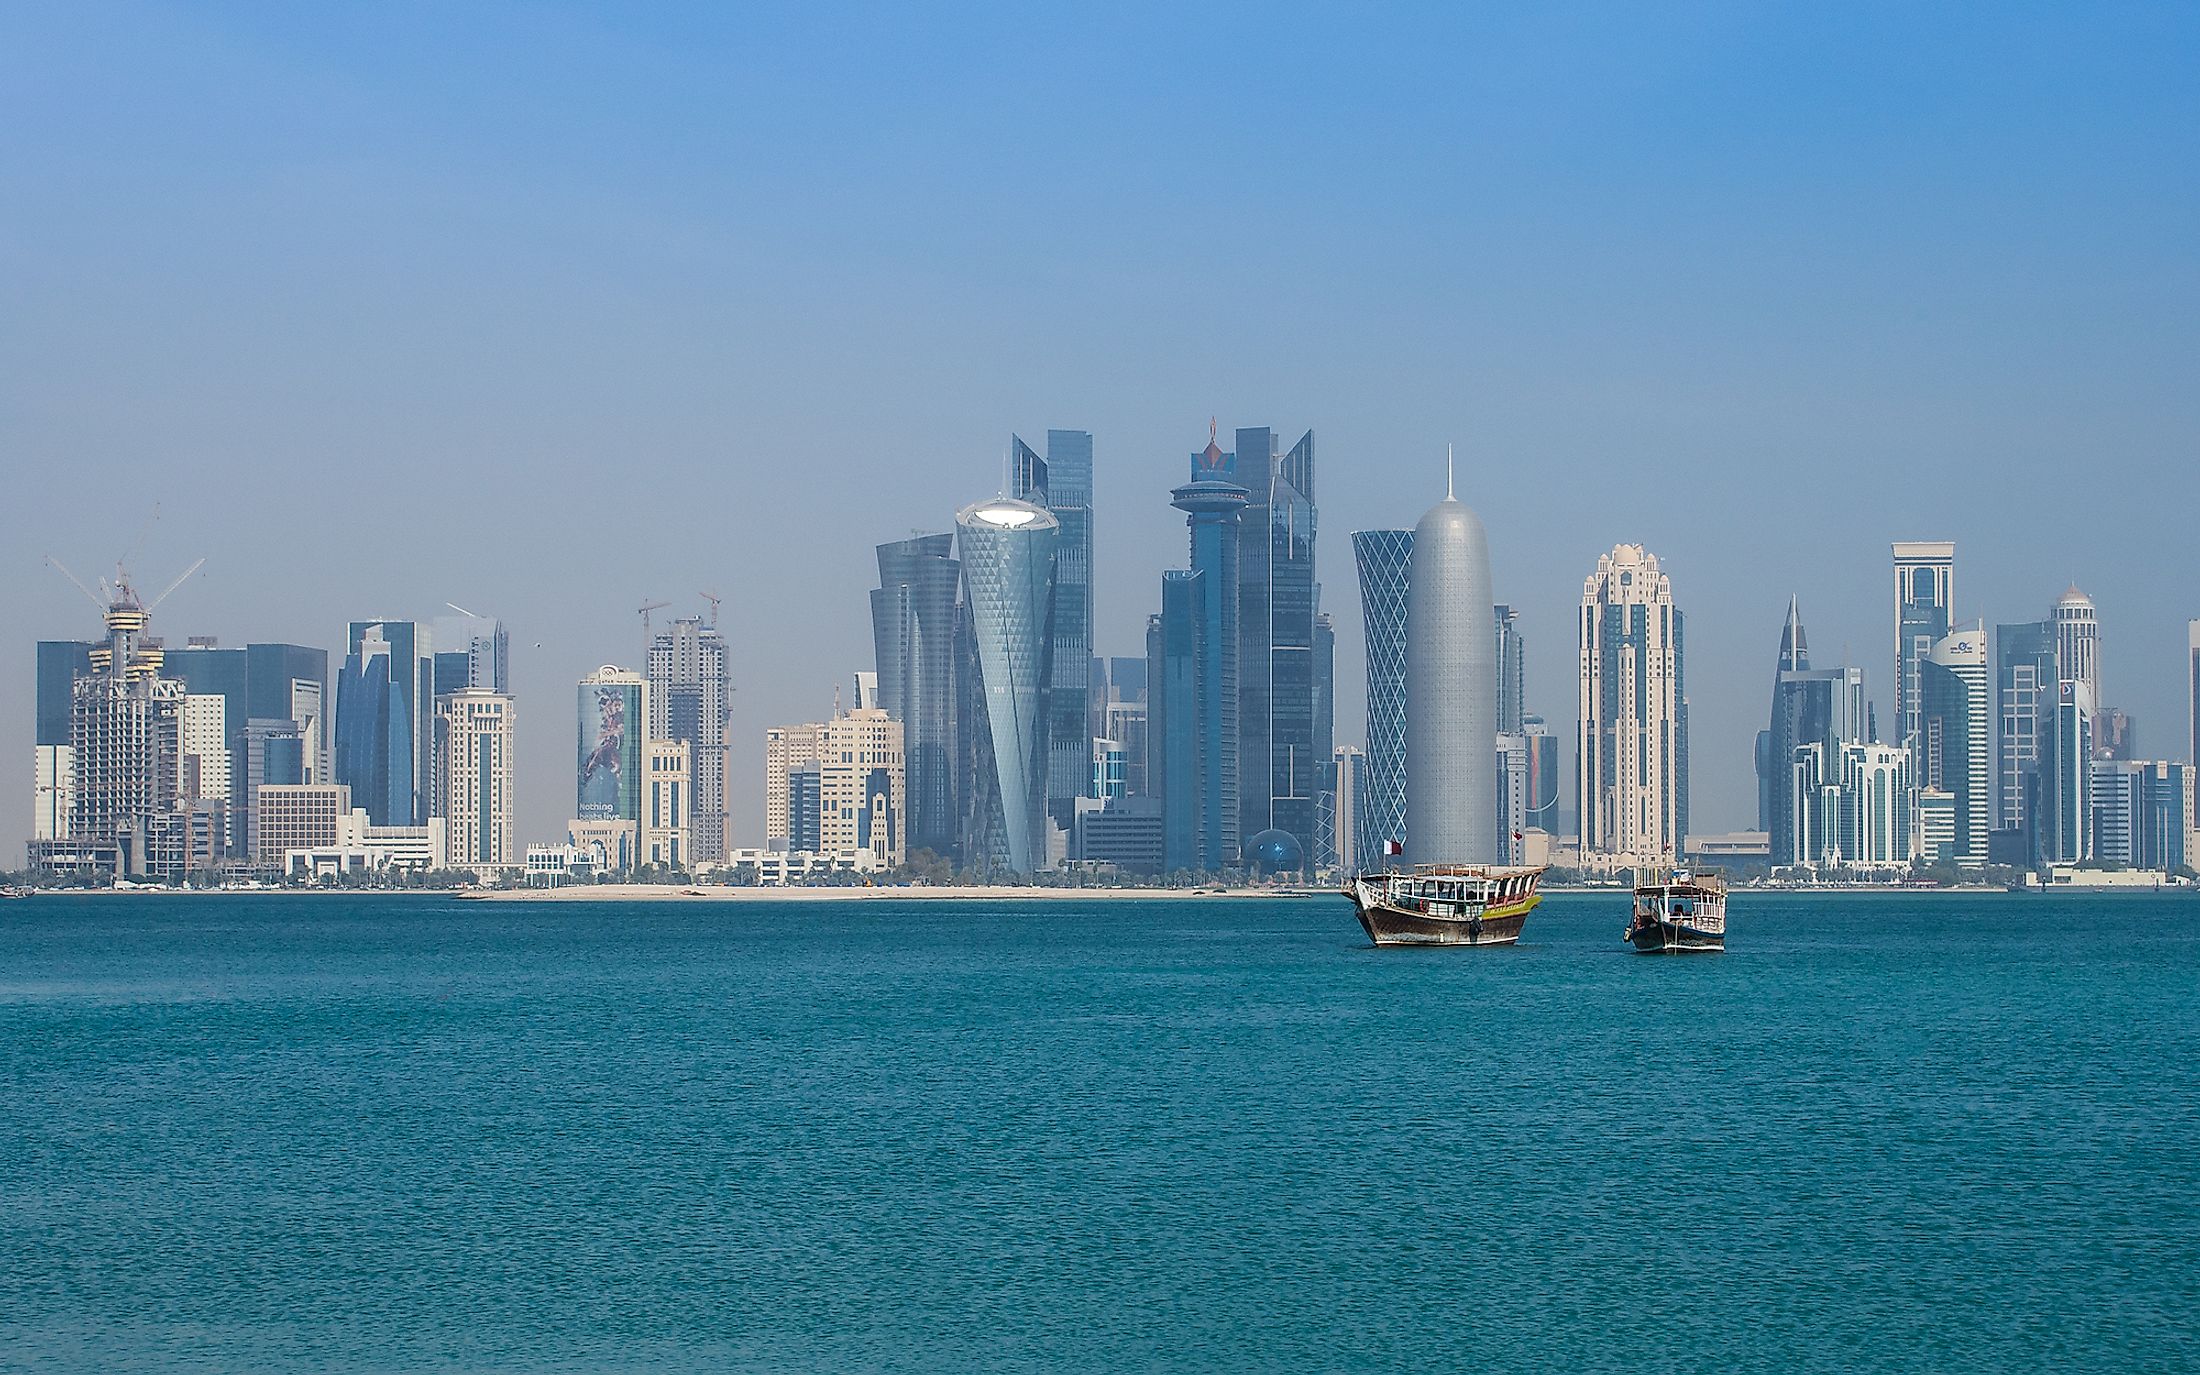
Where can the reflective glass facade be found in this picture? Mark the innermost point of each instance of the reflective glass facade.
(1282, 766)
(1062, 482)
(1385, 559)
(2024, 701)
(914, 614)
(1175, 759)
(1214, 505)
(384, 738)
(1008, 551)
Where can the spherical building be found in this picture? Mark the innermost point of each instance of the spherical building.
(1275, 852)
(1451, 692)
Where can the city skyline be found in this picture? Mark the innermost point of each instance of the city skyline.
(534, 802)
(653, 344)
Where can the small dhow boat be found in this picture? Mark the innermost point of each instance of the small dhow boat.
(1677, 912)
(1446, 904)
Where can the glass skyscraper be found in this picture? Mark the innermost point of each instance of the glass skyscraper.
(2024, 704)
(1174, 756)
(268, 686)
(1385, 559)
(1008, 550)
(1280, 766)
(1512, 671)
(1062, 482)
(385, 737)
(1213, 504)
(914, 614)
(1819, 712)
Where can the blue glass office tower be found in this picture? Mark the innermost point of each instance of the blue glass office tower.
(914, 615)
(1213, 504)
(2023, 707)
(1008, 550)
(385, 738)
(262, 686)
(1174, 756)
(1385, 559)
(1280, 768)
(1817, 711)
(1062, 482)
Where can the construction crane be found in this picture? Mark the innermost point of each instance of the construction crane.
(646, 608)
(119, 590)
(714, 599)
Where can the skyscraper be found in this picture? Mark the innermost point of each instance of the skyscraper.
(1062, 483)
(1174, 758)
(474, 729)
(1954, 737)
(53, 769)
(691, 699)
(1348, 808)
(1008, 556)
(1512, 681)
(614, 715)
(1924, 592)
(125, 743)
(1819, 711)
(2024, 706)
(2066, 776)
(1631, 778)
(914, 617)
(385, 733)
(267, 692)
(2192, 690)
(1213, 504)
(1876, 785)
(1281, 765)
(471, 651)
(1385, 560)
(1542, 774)
(2078, 643)
(1451, 691)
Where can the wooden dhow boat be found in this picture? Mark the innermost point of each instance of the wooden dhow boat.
(1678, 912)
(1446, 904)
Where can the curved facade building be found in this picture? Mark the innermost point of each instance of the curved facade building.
(1451, 691)
(1008, 552)
(1385, 558)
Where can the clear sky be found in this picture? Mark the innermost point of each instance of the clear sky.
(550, 309)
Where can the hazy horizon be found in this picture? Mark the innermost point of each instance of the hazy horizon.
(548, 315)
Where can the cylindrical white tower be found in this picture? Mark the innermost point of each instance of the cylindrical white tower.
(1451, 692)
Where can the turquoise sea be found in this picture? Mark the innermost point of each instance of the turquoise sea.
(392, 1133)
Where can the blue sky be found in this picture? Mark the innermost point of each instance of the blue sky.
(549, 309)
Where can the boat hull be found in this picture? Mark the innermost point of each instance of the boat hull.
(1674, 938)
(1387, 925)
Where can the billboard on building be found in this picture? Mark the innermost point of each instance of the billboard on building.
(610, 777)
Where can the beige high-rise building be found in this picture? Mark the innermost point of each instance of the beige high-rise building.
(1632, 762)
(668, 803)
(861, 779)
(837, 787)
(787, 750)
(474, 746)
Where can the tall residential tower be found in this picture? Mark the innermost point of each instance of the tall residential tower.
(1631, 777)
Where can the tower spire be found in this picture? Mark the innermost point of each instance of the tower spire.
(1447, 474)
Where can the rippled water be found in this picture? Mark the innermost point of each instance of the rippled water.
(393, 1133)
